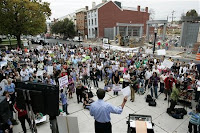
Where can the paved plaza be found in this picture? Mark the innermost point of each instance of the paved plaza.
(163, 122)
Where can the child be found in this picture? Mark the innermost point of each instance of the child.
(194, 120)
(63, 99)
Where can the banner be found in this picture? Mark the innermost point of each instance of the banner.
(161, 52)
(63, 81)
(149, 51)
(167, 63)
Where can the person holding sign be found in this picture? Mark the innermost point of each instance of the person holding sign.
(116, 79)
(101, 111)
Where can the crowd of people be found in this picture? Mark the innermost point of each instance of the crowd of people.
(86, 66)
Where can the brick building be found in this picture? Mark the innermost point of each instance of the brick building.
(81, 21)
(109, 19)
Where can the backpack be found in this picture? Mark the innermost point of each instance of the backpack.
(152, 103)
(149, 98)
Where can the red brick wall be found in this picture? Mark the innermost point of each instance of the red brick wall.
(110, 14)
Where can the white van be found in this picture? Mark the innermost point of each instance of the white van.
(76, 39)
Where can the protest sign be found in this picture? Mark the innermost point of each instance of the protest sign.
(63, 81)
(117, 87)
(149, 51)
(167, 63)
(161, 52)
(50, 70)
(126, 91)
(39, 73)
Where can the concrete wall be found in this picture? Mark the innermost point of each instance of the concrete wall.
(189, 33)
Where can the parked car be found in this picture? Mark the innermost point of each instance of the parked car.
(76, 39)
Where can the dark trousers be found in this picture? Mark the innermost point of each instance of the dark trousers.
(95, 83)
(146, 83)
(79, 97)
(101, 75)
(172, 105)
(197, 95)
(125, 84)
(103, 127)
(190, 126)
(65, 108)
(161, 87)
(22, 120)
(85, 81)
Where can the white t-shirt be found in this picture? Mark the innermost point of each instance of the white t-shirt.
(162, 78)
(127, 76)
(148, 75)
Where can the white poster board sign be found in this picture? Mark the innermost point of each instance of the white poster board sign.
(39, 73)
(50, 70)
(149, 51)
(117, 87)
(167, 63)
(161, 52)
(105, 40)
(63, 81)
(126, 91)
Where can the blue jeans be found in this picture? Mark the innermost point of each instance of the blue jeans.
(154, 88)
(87, 107)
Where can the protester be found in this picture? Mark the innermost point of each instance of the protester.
(86, 66)
(63, 99)
(22, 116)
(153, 83)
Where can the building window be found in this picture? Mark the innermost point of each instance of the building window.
(92, 21)
(89, 22)
(89, 31)
(95, 21)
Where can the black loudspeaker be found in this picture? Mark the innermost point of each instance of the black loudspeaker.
(44, 98)
(4, 110)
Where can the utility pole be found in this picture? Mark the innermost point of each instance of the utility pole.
(173, 16)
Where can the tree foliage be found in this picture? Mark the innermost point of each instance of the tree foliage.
(65, 27)
(192, 13)
(27, 17)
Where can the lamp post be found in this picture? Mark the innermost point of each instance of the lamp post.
(155, 33)
(79, 39)
(9, 40)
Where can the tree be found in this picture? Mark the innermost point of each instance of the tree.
(192, 13)
(25, 17)
(65, 27)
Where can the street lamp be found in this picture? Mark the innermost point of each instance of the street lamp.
(155, 33)
(79, 39)
(9, 40)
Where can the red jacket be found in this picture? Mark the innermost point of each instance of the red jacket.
(20, 114)
(169, 82)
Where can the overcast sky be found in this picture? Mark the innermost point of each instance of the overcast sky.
(162, 8)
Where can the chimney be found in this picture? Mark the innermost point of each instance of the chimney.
(138, 8)
(93, 4)
(86, 8)
(103, 1)
(146, 9)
